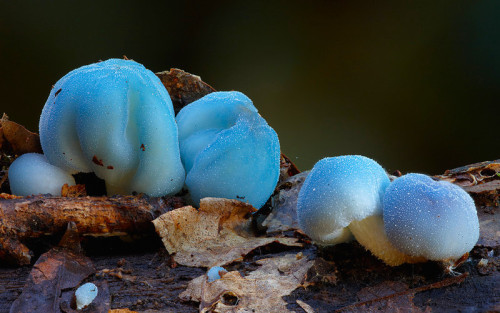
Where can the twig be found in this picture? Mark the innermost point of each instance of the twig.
(444, 283)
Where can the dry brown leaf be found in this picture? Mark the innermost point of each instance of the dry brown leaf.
(260, 291)
(218, 233)
(19, 139)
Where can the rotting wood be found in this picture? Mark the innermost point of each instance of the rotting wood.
(34, 217)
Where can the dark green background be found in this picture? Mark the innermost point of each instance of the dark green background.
(414, 86)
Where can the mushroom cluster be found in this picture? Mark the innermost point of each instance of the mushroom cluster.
(412, 219)
(115, 119)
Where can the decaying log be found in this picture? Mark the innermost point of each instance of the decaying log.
(34, 217)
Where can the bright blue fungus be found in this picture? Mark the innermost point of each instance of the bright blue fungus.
(116, 119)
(432, 219)
(31, 174)
(215, 272)
(228, 149)
(338, 191)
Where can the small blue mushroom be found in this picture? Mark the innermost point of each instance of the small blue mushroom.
(228, 149)
(432, 219)
(32, 174)
(85, 294)
(116, 119)
(215, 272)
(343, 195)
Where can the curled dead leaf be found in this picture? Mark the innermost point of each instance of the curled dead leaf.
(17, 138)
(218, 233)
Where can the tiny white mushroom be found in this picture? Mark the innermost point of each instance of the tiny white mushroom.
(85, 294)
(31, 174)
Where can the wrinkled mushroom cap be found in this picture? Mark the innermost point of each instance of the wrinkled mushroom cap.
(116, 119)
(432, 219)
(228, 149)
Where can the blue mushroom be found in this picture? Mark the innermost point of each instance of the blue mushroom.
(31, 174)
(228, 149)
(215, 273)
(116, 119)
(343, 195)
(432, 219)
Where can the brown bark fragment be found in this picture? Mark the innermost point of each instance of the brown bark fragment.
(183, 87)
(481, 180)
(33, 217)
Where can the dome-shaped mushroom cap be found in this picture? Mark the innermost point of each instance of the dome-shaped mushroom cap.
(228, 149)
(433, 219)
(85, 295)
(214, 273)
(32, 174)
(338, 191)
(116, 119)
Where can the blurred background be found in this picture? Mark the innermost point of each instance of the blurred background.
(414, 86)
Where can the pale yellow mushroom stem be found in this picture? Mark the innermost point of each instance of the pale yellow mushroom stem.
(370, 233)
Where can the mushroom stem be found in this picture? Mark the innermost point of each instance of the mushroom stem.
(370, 233)
(336, 237)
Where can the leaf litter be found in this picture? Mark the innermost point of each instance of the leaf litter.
(218, 233)
(259, 291)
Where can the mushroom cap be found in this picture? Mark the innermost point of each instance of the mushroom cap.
(32, 174)
(432, 219)
(214, 273)
(337, 191)
(228, 149)
(116, 119)
(85, 294)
